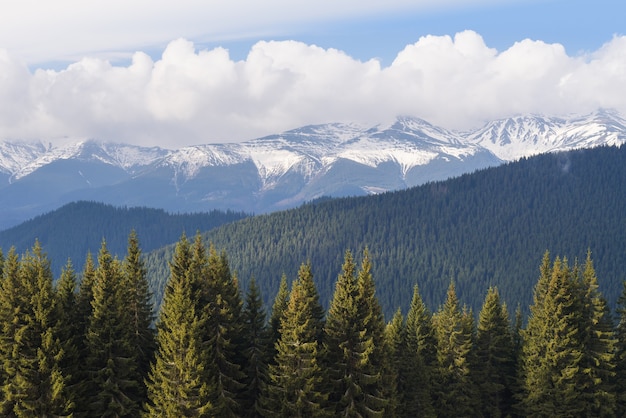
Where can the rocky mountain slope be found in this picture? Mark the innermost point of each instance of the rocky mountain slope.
(282, 170)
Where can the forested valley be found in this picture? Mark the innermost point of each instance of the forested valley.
(96, 347)
(488, 228)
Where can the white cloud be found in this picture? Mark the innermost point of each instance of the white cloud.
(70, 29)
(189, 96)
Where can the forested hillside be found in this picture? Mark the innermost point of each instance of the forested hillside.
(486, 228)
(77, 228)
(91, 350)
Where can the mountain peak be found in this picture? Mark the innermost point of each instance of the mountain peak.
(286, 169)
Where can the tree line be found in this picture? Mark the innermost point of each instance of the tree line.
(95, 348)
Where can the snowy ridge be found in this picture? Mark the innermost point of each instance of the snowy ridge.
(523, 136)
(407, 142)
(283, 170)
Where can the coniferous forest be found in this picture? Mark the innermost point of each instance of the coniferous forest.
(97, 348)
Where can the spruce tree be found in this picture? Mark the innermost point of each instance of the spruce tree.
(139, 307)
(416, 378)
(620, 354)
(69, 331)
(394, 351)
(297, 378)
(495, 372)
(255, 334)
(553, 351)
(453, 396)
(35, 384)
(178, 383)
(268, 401)
(354, 341)
(112, 388)
(221, 309)
(599, 341)
(278, 309)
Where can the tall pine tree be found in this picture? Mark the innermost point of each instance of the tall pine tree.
(495, 374)
(454, 391)
(178, 383)
(297, 378)
(112, 388)
(31, 350)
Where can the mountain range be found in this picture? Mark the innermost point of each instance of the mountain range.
(283, 170)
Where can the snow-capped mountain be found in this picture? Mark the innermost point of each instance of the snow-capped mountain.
(283, 170)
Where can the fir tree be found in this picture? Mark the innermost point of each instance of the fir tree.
(139, 307)
(69, 331)
(599, 341)
(620, 353)
(278, 309)
(394, 352)
(297, 380)
(354, 343)
(255, 334)
(495, 371)
(419, 361)
(453, 395)
(112, 387)
(552, 350)
(178, 381)
(221, 309)
(31, 350)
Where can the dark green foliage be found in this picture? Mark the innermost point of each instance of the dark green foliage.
(30, 349)
(77, 228)
(112, 388)
(495, 358)
(484, 229)
(568, 350)
(178, 384)
(138, 303)
(297, 377)
(419, 361)
(354, 342)
(454, 391)
(620, 354)
(256, 337)
(69, 330)
(220, 306)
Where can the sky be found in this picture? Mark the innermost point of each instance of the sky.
(179, 73)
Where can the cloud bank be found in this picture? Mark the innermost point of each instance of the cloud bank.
(191, 96)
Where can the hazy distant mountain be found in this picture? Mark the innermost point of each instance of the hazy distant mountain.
(279, 171)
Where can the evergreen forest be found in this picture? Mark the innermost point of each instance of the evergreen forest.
(78, 228)
(95, 347)
(484, 229)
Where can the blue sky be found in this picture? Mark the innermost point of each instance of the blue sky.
(156, 72)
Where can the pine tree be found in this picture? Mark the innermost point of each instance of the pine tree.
(112, 388)
(255, 333)
(453, 396)
(84, 300)
(297, 379)
(30, 347)
(495, 373)
(139, 307)
(354, 343)
(599, 341)
(69, 331)
(269, 402)
(178, 383)
(221, 309)
(394, 353)
(620, 354)
(419, 365)
(552, 350)
(278, 309)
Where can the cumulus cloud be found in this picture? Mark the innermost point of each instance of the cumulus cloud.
(191, 96)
